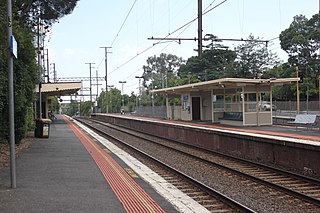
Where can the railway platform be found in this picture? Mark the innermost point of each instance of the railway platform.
(71, 172)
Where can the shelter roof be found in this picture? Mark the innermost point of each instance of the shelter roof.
(59, 88)
(224, 82)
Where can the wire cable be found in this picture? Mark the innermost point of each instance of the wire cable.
(150, 47)
(123, 23)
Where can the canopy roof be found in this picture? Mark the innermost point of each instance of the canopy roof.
(224, 82)
(59, 89)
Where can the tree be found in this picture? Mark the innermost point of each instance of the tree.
(25, 16)
(302, 43)
(49, 11)
(160, 70)
(253, 58)
(216, 62)
(114, 98)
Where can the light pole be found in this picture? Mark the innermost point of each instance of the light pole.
(139, 77)
(122, 82)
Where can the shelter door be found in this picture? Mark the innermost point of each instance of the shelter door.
(196, 108)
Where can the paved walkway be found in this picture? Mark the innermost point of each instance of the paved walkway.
(59, 175)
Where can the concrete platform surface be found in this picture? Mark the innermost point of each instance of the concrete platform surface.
(59, 175)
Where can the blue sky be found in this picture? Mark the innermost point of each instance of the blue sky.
(77, 38)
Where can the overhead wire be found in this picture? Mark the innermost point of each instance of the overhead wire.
(123, 23)
(154, 44)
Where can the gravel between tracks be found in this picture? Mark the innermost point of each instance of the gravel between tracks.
(253, 195)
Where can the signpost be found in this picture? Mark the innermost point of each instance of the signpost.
(12, 50)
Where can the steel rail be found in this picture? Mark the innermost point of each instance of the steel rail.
(289, 191)
(218, 195)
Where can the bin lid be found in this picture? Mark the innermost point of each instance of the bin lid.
(45, 120)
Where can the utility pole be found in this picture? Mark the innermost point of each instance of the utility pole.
(90, 67)
(199, 28)
(106, 77)
(122, 82)
(11, 98)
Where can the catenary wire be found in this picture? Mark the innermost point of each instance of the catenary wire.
(150, 47)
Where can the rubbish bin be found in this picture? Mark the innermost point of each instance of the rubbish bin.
(42, 128)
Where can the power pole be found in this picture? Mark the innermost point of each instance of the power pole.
(199, 28)
(106, 77)
(90, 67)
(11, 98)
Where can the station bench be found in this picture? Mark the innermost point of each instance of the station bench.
(236, 116)
(306, 120)
(232, 118)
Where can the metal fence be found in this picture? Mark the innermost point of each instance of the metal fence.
(149, 111)
(305, 106)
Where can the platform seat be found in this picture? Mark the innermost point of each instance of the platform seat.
(232, 118)
(306, 120)
(236, 116)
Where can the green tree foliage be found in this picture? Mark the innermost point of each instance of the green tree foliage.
(114, 98)
(50, 11)
(160, 72)
(302, 43)
(25, 15)
(253, 58)
(302, 40)
(53, 104)
(284, 70)
(216, 62)
(84, 109)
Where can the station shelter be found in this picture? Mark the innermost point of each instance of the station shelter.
(57, 89)
(231, 101)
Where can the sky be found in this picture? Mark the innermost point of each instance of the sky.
(126, 25)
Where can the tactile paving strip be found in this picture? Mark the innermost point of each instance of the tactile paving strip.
(130, 194)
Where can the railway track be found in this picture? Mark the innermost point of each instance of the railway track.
(208, 197)
(301, 187)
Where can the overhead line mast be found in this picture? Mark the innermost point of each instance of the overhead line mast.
(207, 39)
(210, 37)
(199, 28)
